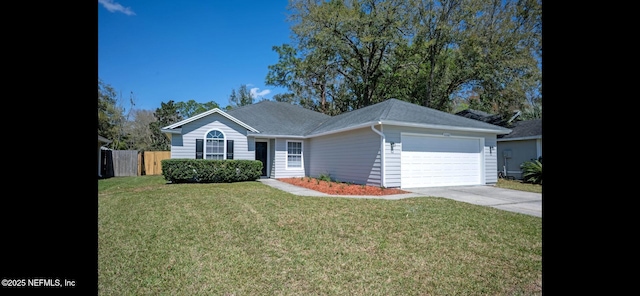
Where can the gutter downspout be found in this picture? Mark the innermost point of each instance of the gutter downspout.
(382, 153)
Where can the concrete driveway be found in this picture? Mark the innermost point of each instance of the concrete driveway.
(504, 199)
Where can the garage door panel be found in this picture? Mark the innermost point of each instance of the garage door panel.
(444, 145)
(438, 161)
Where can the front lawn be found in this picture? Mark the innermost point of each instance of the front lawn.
(250, 239)
(519, 185)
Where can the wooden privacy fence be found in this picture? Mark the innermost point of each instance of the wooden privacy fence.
(150, 162)
(119, 163)
(125, 162)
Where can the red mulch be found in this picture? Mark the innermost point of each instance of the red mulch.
(340, 188)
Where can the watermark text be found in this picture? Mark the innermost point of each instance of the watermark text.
(38, 282)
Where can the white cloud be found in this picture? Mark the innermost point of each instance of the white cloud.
(116, 7)
(255, 93)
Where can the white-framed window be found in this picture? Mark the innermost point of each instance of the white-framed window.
(214, 145)
(294, 154)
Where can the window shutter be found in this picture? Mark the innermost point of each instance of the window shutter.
(229, 149)
(199, 146)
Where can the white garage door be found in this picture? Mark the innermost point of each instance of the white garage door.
(429, 161)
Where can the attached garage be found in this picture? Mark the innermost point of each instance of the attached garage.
(429, 160)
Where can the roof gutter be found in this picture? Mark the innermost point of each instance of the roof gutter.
(382, 153)
(499, 130)
(168, 132)
(172, 131)
(519, 138)
(450, 127)
(258, 135)
(354, 127)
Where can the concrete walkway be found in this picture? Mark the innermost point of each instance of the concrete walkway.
(528, 203)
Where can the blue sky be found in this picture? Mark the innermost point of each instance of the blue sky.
(183, 50)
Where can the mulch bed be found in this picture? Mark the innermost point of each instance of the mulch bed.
(337, 188)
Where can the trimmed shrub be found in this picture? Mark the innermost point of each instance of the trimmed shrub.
(210, 170)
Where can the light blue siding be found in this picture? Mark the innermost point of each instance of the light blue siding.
(352, 156)
(184, 146)
(520, 151)
(490, 160)
(392, 158)
(280, 169)
(272, 156)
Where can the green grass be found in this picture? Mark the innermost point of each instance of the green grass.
(519, 185)
(250, 239)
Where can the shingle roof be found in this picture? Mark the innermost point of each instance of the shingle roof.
(284, 119)
(278, 118)
(401, 112)
(524, 129)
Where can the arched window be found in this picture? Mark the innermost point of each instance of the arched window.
(214, 145)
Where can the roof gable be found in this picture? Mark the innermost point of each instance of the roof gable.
(176, 125)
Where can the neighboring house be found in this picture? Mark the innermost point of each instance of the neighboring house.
(524, 143)
(483, 116)
(421, 147)
(101, 142)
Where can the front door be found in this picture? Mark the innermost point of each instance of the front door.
(261, 155)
